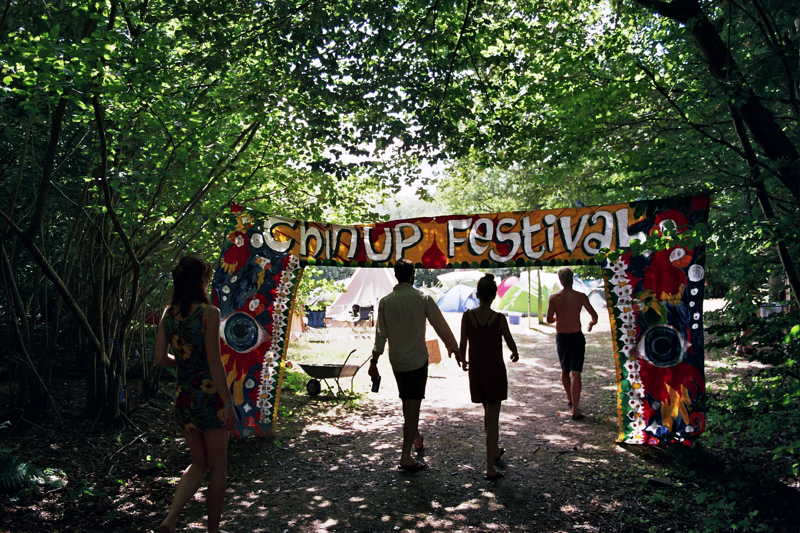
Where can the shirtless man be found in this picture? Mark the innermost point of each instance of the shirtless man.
(564, 308)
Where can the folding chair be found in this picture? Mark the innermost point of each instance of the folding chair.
(363, 320)
(316, 328)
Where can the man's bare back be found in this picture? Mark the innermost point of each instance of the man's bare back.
(564, 308)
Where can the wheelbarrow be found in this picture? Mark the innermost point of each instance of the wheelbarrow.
(335, 372)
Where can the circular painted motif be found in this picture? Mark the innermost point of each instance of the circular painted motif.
(241, 332)
(662, 346)
(696, 273)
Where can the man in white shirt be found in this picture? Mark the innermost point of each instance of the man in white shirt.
(402, 317)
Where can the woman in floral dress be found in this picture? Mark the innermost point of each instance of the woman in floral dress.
(203, 407)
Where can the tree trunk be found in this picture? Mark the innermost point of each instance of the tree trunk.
(763, 200)
(760, 121)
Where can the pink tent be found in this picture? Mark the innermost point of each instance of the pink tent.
(505, 285)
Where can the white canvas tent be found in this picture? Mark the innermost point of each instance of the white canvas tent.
(460, 277)
(366, 287)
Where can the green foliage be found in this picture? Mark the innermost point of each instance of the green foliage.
(85, 488)
(294, 381)
(759, 416)
(15, 474)
(315, 288)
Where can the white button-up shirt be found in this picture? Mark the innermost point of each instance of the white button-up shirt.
(402, 316)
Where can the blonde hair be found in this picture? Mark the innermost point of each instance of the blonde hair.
(565, 276)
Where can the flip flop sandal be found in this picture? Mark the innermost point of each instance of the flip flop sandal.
(494, 477)
(416, 467)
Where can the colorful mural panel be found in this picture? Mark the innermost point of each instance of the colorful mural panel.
(656, 309)
(254, 287)
(655, 298)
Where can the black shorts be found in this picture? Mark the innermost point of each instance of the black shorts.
(571, 348)
(411, 384)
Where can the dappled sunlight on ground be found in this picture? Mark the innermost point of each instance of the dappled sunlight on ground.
(355, 484)
(335, 467)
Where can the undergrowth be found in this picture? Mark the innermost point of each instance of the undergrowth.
(740, 472)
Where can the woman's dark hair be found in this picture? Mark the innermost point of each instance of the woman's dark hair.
(188, 280)
(487, 288)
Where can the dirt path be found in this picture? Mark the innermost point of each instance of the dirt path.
(331, 466)
(336, 467)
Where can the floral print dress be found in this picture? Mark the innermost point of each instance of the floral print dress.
(198, 407)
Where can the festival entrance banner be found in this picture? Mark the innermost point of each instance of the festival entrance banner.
(654, 297)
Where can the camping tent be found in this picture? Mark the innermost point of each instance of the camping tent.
(433, 292)
(366, 287)
(594, 289)
(506, 284)
(458, 299)
(460, 277)
(516, 298)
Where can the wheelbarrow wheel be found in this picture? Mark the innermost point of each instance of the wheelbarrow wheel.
(313, 387)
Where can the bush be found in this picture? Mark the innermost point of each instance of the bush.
(14, 474)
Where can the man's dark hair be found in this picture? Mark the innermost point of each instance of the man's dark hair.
(404, 270)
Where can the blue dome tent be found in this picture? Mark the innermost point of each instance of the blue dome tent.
(457, 299)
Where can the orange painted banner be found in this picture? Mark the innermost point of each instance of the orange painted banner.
(654, 298)
(514, 238)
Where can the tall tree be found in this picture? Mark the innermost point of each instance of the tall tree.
(131, 127)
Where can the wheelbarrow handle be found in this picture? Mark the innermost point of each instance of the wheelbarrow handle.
(348, 358)
(365, 361)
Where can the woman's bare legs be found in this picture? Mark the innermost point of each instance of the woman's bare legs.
(209, 451)
(190, 480)
(491, 422)
(216, 443)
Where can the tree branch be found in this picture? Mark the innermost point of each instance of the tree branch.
(47, 170)
(464, 27)
(760, 121)
(103, 179)
(60, 287)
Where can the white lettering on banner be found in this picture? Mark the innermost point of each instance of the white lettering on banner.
(336, 232)
(401, 243)
(623, 239)
(603, 238)
(326, 235)
(550, 232)
(527, 239)
(475, 235)
(567, 238)
(592, 232)
(461, 224)
(269, 226)
(501, 236)
(307, 233)
(479, 234)
(387, 245)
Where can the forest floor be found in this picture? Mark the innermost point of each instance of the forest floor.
(332, 464)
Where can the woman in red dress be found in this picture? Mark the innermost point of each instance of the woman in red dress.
(482, 331)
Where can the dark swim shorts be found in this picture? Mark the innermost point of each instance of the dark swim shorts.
(571, 348)
(411, 384)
